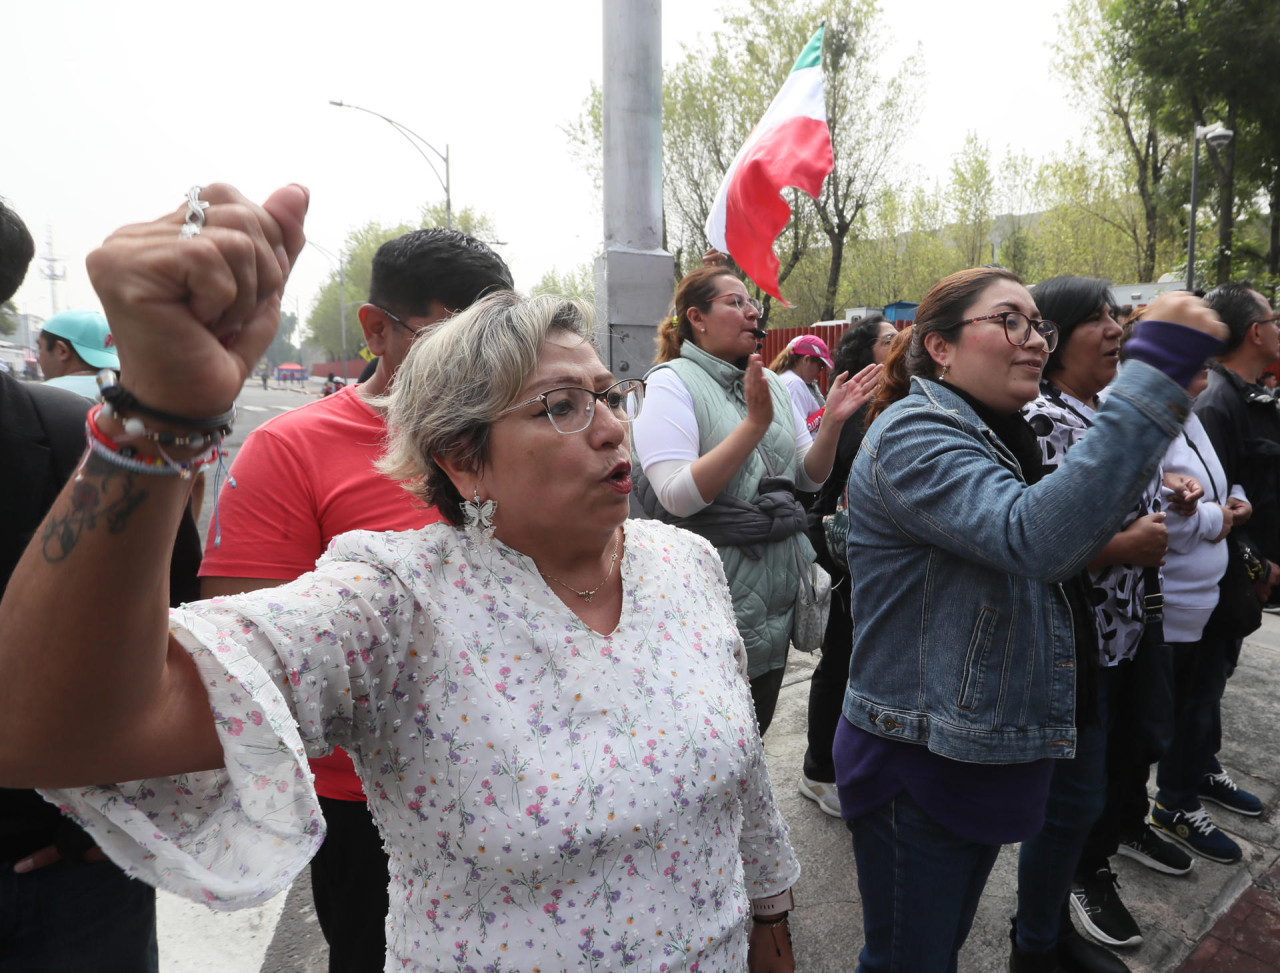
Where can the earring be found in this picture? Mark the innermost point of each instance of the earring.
(942, 377)
(478, 517)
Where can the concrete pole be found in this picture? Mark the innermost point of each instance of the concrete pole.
(634, 275)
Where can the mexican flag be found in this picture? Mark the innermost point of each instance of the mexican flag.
(791, 146)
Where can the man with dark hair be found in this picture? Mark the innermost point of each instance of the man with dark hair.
(1243, 425)
(16, 250)
(307, 476)
(63, 905)
(73, 347)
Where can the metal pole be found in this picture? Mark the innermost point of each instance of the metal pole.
(1191, 229)
(342, 314)
(448, 193)
(632, 128)
(634, 274)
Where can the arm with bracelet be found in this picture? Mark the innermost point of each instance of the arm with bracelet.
(190, 315)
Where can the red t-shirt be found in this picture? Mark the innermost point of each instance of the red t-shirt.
(301, 479)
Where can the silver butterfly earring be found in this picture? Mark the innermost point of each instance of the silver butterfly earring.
(478, 518)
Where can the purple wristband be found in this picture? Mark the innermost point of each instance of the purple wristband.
(1178, 351)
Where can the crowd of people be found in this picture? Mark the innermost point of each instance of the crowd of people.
(491, 639)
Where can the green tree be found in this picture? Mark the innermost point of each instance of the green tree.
(8, 317)
(1014, 229)
(281, 349)
(579, 283)
(1081, 229)
(716, 92)
(1128, 105)
(971, 196)
(1216, 61)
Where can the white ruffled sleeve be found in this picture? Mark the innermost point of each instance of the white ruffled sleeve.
(290, 672)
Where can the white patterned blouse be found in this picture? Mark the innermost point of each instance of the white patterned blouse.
(551, 798)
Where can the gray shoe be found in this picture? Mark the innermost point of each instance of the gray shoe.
(824, 795)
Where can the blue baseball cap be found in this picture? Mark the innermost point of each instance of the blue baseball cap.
(88, 334)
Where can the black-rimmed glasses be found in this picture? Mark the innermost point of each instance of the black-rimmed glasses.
(1018, 328)
(1274, 319)
(741, 302)
(571, 408)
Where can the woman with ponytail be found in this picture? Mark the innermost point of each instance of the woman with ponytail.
(718, 450)
(962, 679)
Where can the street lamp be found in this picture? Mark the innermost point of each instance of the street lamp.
(417, 141)
(1217, 136)
(342, 299)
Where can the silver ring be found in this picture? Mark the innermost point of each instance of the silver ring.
(195, 214)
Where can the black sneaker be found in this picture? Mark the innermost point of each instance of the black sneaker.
(1096, 903)
(1154, 852)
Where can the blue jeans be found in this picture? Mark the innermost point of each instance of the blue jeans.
(1199, 679)
(76, 917)
(1077, 795)
(920, 885)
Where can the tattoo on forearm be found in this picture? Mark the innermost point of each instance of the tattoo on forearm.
(99, 491)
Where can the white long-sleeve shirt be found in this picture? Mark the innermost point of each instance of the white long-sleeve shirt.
(1196, 560)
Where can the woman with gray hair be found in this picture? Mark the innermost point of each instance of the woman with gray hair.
(539, 695)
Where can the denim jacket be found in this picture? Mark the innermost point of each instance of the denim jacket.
(963, 637)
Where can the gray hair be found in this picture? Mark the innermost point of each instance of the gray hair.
(458, 379)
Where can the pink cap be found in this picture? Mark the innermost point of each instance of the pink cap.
(808, 344)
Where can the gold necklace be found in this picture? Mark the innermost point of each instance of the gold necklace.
(590, 592)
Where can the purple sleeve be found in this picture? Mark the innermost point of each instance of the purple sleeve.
(1174, 349)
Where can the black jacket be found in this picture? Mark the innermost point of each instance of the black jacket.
(1243, 423)
(41, 440)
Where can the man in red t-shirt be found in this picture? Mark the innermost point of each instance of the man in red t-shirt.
(307, 476)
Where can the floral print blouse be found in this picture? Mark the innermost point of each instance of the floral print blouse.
(551, 798)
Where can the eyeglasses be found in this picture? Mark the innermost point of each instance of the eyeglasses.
(572, 408)
(1017, 328)
(413, 331)
(741, 302)
(1274, 319)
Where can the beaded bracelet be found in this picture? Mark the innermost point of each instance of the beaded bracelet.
(128, 458)
(151, 465)
(118, 453)
(121, 400)
(135, 428)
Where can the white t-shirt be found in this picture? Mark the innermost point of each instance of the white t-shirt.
(667, 442)
(803, 401)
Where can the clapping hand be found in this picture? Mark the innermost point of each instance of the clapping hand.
(755, 389)
(847, 395)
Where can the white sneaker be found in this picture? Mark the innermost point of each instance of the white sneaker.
(824, 795)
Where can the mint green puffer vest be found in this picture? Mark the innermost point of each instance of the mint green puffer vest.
(764, 591)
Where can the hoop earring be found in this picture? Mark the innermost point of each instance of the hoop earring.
(478, 519)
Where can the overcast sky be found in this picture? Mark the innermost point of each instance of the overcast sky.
(112, 110)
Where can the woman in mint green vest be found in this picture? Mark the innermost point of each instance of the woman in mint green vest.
(718, 451)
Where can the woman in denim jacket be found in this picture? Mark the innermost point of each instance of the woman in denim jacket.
(962, 680)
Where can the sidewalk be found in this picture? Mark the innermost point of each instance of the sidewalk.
(1219, 918)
